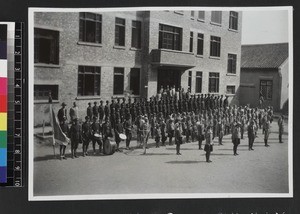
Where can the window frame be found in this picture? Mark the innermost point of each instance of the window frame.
(139, 80)
(229, 91)
(214, 76)
(231, 63)
(38, 35)
(138, 34)
(266, 97)
(215, 44)
(201, 18)
(190, 78)
(82, 73)
(168, 30)
(55, 93)
(98, 27)
(233, 20)
(214, 17)
(202, 41)
(118, 28)
(118, 71)
(191, 48)
(199, 77)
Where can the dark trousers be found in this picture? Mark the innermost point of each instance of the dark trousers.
(85, 145)
(128, 138)
(177, 148)
(62, 150)
(251, 141)
(280, 138)
(99, 142)
(235, 145)
(207, 155)
(200, 142)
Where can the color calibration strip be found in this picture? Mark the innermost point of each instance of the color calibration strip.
(3, 103)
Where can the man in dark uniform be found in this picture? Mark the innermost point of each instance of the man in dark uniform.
(95, 110)
(221, 102)
(89, 110)
(62, 113)
(101, 111)
(225, 103)
(96, 129)
(107, 129)
(86, 135)
(75, 134)
(128, 127)
(106, 110)
(118, 105)
(207, 102)
(202, 103)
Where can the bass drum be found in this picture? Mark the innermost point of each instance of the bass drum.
(109, 147)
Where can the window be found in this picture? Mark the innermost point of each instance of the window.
(46, 46)
(136, 33)
(120, 32)
(200, 44)
(135, 81)
(231, 67)
(41, 92)
(230, 89)
(118, 81)
(190, 80)
(170, 37)
(201, 15)
(192, 14)
(89, 80)
(233, 20)
(198, 82)
(215, 46)
(213, 86)
(90, 27)
(266, 89)
(191, 41)
(216, 17)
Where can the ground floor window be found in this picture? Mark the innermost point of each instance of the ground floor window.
(89, 80)
(198, 82)
(135, 81)
(41, 92)
(118, 81)
(213, 86)
(230, 89)
(266, 89)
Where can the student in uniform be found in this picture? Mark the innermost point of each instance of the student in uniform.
(281, 128)
(236, 137)
(251, 135)
(86, 135)
(128, 131)
(178, 135)
(62, 113)
(267, 128)
(157, 134)
(118, 130)
(209, 143)
(89, 110)
(96, 129)
(75, 134)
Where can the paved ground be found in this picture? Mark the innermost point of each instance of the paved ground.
(264, 170)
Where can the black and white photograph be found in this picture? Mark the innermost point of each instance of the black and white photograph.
(160, 102)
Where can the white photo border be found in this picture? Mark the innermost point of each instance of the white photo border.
(31, 196)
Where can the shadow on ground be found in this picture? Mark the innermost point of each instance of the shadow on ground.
(185, 162)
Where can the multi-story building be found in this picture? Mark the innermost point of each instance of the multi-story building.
(85, 57)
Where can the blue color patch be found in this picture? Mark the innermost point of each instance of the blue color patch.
(3, 174)
(3, 157)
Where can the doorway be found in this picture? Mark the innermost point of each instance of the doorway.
(168, 77)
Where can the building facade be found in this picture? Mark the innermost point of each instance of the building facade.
(265, 72)
(85, 57)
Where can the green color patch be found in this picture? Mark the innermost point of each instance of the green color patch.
(3, 139)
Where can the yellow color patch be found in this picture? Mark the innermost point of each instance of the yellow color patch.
(3, 121)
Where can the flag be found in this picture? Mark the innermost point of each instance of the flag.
(58, 135)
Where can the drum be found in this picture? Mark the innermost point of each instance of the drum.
(122, 136)
(109, 147)
(97, 136)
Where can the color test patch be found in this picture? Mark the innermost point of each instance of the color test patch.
(3, 103)
(3, 156)
(3, 174)
(3, 90)
(3, 68)
(3, 139)
(3, 121)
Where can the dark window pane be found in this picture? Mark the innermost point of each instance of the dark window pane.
(191, 41)
(216, 17)
(200, 44)
(90, 27)
(89, 80)
(136, 34)
(41, 92)
(198, 82)
(215, 46)
(118, 80)
(233, 20)
(190, 79)
(135, 81)
(120, 32)
(266, 89)
(170, 37)
(213, 86)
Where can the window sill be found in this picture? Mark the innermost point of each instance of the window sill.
(214, 57)
(200, 20)
(199, 56)
(89, 44)
(119, 47)
(192, 18)
(135, 49)
(176, 51)
(177, 12)
(233, 30)
(46, 65)
(230, 95)
(88, 98)
(216, 24)
(230, 74)
(214, 93)
(45, 101)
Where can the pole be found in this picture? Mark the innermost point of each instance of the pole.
(52, 123)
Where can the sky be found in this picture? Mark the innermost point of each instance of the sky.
(264, 27)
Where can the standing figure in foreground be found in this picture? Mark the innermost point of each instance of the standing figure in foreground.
(251, 135)
(75, 134)
(86, 135)
(267, 127)
(62, 147)
(128, 127)
(96, 134)
(281, 128)
(145, 134)
(209, 143)
(178, 135)
(236, 137)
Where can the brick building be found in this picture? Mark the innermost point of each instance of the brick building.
(85, 57)
(265, 72)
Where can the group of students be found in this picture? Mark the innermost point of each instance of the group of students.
(201, 118)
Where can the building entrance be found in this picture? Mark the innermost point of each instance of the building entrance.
(168, 77)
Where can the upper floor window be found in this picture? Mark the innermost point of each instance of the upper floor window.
(200, 44)
(120, 32)
(89, 80)
(170, 37)
(136, 33)
(201, 15)
(192, 14)
(90, 27)
(231, 66)
(46, 46)
(233, 20)
(216, 17)
(191, 41)
(266, 89)
(215, 46)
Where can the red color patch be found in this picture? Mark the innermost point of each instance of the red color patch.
(3, 103)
